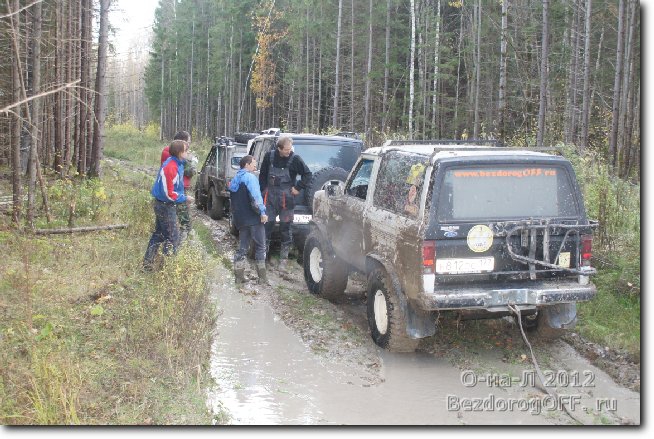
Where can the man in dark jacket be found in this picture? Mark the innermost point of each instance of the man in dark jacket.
(279, 184)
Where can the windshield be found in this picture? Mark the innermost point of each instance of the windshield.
(506, 192)
(236, 161)
(318, 156)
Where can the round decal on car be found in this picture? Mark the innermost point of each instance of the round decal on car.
(480, 238)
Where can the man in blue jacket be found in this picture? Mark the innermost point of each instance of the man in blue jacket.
(249, 216)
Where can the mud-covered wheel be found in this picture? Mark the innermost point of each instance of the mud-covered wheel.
(216, 207)
(323, 178)
(324, 272)
(385, 317)
(198, 199)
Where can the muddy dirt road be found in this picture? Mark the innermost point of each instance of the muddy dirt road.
(283, 356)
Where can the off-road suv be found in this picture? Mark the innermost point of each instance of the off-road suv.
(444, 228)
(220, 166)
(329, 158)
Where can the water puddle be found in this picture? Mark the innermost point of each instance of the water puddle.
(266, 375)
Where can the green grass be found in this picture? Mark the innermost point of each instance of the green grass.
(612, 318)
(85, 336)
(143, 147)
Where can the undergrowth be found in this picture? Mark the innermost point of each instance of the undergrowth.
(86, 337)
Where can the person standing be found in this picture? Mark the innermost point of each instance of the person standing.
(249, 217)
(168, 192)
(277, 180)
(190, 169)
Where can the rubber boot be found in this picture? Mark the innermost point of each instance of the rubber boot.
(283, 258)
(263, 274)
(239, 272)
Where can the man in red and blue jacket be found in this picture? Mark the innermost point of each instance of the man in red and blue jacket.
(190, 164)
(168, 192)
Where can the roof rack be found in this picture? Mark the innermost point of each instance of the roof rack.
(467, 145)
(350, 134)
(494, 142)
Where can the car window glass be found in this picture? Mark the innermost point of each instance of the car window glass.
(506, 192)
(318, 155)
(358, 186)
(220, 157)
(236, 161)
(211, 158)
(399, 183)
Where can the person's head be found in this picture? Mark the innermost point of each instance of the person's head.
(248, 163)
(183, 135)
(178, 148)
(284, 146)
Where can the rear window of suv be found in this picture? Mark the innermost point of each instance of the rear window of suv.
(505, 192)
(318, 156)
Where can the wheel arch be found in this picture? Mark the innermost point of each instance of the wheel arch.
(420, 324)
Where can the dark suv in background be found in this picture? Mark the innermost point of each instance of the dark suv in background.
(330, 159)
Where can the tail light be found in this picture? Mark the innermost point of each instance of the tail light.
(586, 250)
(428, 257)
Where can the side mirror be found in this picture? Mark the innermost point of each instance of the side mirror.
(335, 189)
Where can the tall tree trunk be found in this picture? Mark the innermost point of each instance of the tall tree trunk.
(17, 185)
(628, 86)
(458, 75)
(387, 61)
(100, 106)
(615, 115)
(368, 73)
(477, 71)
(338, 65)
(352, 86)
(501, 123)
(59, 97)
(585, 112)
(412, 59)
(543, 75)
(36, 113)
(437, 50)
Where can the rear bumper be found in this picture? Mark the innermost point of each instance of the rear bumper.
(534, 293)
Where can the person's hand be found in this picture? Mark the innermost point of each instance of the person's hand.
(294, 191)
(264, 219)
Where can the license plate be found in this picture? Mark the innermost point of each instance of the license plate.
(301, 219)
(464, 265)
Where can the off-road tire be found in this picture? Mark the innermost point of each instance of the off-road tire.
(385, 317)
(324, 273)
(216, 207)
(244, 137)
(322, 177)
(198, 199)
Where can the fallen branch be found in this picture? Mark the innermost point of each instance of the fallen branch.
(79, 229)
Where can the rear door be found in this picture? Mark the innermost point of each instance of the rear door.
(492, 219)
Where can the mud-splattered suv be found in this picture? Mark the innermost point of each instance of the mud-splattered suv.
(219, 168)
(443, 228)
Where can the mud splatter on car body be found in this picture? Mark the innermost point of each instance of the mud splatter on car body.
(439, 227)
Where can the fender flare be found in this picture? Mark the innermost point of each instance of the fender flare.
(420, 324)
